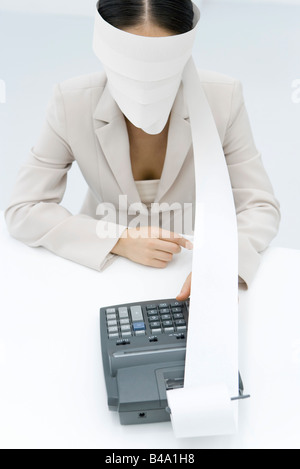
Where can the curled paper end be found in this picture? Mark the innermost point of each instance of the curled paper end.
(201, 411)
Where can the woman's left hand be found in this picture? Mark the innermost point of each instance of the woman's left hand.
(186, 289)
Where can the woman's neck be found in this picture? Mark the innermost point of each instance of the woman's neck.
(139, 134)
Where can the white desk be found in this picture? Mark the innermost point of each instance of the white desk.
(52, 390)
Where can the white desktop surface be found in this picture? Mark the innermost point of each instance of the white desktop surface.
(52, 389)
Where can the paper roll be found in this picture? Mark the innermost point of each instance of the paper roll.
(202, 411)
(203, 406)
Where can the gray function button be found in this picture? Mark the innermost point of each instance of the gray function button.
(124, 321)
(110, 310)
(111, 317)
(123, 312)
(136, 313)
(112, 323)
(113, 335)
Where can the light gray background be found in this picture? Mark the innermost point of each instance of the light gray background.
(41, 44)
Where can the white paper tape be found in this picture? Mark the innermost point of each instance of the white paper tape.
(201, 411)
(144, 73)
(203, 406)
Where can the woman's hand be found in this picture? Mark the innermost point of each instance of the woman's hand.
(150, 246)
(186, 289)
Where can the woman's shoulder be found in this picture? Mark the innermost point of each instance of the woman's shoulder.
(84, 82)
(216, 78)
(224, 92)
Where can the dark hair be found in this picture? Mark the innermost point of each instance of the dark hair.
(175, 16)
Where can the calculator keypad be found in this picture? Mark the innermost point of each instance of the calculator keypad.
(150, 319)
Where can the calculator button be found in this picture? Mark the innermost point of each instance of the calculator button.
(181, 328)
(155, 324)
(111, 317)
(178, 316)
(137, 333)
(113, 336)
(112, 330)
(163, 305)
(126, 334)
(166, 317)
(175, 304)
(111, 311)
(156, 331)
(136, 313)
(149, 307)
(152, 312)
(165, 311)
(123, 312)
(125, 328)
(180, 322)
(169, 329)
(167, 324)
(139, 326)
(176, 310)
(124, 321)
(112, 323)
(153, 318)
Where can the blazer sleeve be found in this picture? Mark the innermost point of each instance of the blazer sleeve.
(258, 211)
(35, 216)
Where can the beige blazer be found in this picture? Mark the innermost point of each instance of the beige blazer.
(85, 125)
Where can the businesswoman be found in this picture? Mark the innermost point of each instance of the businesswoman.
(118, 157)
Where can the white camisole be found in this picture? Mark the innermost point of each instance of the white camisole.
(147, 190)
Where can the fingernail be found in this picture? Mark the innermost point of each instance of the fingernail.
(189, 246)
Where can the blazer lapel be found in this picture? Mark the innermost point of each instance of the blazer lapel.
(113, 138)
(179, 144)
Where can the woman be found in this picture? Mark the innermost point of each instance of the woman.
(118, 156)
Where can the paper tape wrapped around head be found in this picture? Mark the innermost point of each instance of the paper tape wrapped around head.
(144, 73)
